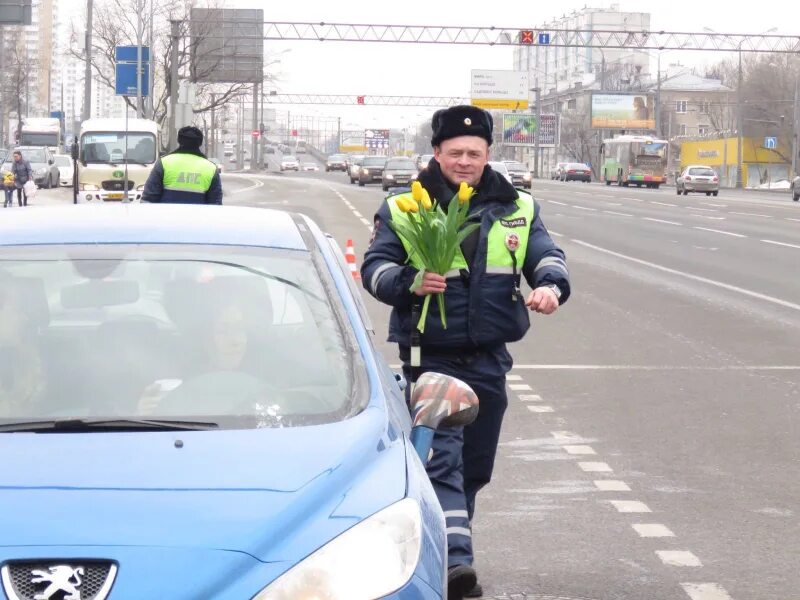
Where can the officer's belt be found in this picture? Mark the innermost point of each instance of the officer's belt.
(442, 352)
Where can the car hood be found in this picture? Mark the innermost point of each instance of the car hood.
(275, 494)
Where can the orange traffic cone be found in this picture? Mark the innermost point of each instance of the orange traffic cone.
(350, 257)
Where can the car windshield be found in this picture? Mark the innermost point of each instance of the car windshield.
(288, 158)
(704, 171)
(63, 161)
(400, 163)
(374, 161)
(337, 158)
(499, 167)
(33, 155)
(111, 147)
(242, 337)
(577, 166)
(516, 167)
(650, 149)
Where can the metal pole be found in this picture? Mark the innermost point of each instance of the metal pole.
(175, 35)
(139, 39)
(739, 125)
(254, 141)
(659, 133)
(338, 134)
(151, 80)
(796, 128)
(87, 76)
(125, 197)
(211, 145)
(536, 153)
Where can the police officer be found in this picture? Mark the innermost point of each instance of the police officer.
(484, 306)
(184, 176)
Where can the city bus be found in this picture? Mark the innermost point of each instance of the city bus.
(107, 159)
(634, 160)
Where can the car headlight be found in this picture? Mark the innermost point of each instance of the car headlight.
(89, 187)
(42, 171)
(365, 171)
(526, 176)
(389, 176)
(372, 559)
(140, 188)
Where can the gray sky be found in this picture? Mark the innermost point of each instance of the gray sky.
(442, 70)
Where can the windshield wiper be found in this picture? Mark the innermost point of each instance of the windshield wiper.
(84, 425)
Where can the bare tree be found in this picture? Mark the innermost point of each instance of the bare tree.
(578, 139)
(15, 81)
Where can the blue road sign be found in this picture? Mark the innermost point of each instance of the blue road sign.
(128, 53)
(544, 39)
(770, 143)
(126, 79)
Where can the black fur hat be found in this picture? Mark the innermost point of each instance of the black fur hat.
(461, 120)
(190, 137)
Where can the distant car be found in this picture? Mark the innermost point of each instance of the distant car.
(65, 169)
(423, 160)
(795, 189)
(576, 172)
(45, 172)
(269, 150)
(371, 170)
(311, 167)
(555, 172)
(232, 159)
(336, 162)
(697, 178)
(520, 175)
(501, 168)
(354, 169)
(290, 163)
(398, 172)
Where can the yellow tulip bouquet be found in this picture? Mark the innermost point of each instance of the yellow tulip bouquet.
(434, 235)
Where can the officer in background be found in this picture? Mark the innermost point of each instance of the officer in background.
(184, 176)
(484, 306)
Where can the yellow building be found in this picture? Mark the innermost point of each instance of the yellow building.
(760, 165)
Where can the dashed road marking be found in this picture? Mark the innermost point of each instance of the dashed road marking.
(662, 203)
(565, 435)
(781, 244)
(613, 203)
(366, 222)
(595, 467)
(661, 221)
(535, 408)
(630, 506)
(703, 209)
(619, 214)
(579, 450)
(678, 558)
(559, 203)
(513, 377)
(584, 208)
(791, 219)
(705, 591)
(519, 387)
(611, 485)
(712, 204)
(751, 215)
(556, 234)
(358, 214)
(530, 397)
(739, 235)
(652, 530)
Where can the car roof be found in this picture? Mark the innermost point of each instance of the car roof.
(152, 224)
(699, 167)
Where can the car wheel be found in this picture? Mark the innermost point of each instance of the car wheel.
(360, 183)
(685, 192)
(678, 190)
(717, 192)
(797, 197)
(708, 193)
(385, 188)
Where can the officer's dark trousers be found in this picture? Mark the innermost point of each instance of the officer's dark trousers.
(463, 457)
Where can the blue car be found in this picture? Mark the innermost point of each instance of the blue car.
(191, 407)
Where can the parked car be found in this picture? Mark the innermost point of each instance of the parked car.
(697, 178)
(290, 163)
(271, 454)
(502, 169)
(576, 172)
(795, 189)
(45, 171)
(309, 166)
(520, 175)
(555, 172)
(336, 162)
(371, 169)
(399, 171)
(66, 168)
(423, 160)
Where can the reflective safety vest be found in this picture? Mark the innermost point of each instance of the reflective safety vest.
(187, 173)
(506, 245)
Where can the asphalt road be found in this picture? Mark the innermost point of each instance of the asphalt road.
(651, 449)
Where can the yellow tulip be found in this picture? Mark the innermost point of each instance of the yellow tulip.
(425, 200)
(464, 192)
(407, 205)
(416, 191)
(412, 206)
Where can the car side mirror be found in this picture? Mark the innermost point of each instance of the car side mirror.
(50, 162)
(439, 400)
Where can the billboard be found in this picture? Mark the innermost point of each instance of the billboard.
(623, 111)
(376, 139)
(499, 89)
(521, 130)
(227, 45)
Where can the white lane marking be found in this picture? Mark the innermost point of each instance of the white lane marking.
(530, 397)
(613, 203)
(781, 244)
(718, 284)
(712, 218)
(513, 377)
(630, 506)
(678, 558)
(662, 203)
(619, 214)
(703, 209)
(519, 387)
(751, 215)
(739, 235)
(358, 214)
(611, 485)
(791, 219)
(595, 467)
(712, 204)
(652, 530)
(584, 208)
(582, 194)
(256, 184)
(659, 367)
(565, 435)
(579, 450)
(366, 222)
(632, 198)
(534, 408)
(705, 591)
(559, 203)
(661, 221)
(551, 232)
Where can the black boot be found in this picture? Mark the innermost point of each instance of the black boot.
(475, 592)
(460, 580)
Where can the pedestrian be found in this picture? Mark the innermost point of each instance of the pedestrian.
(23, 173)
(184, 176)
(484, 306)
(8, 188)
